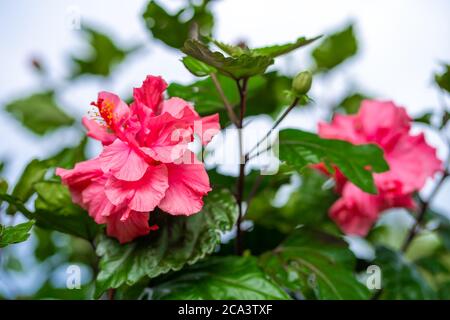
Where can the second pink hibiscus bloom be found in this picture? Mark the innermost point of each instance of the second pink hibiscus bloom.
(411, 161)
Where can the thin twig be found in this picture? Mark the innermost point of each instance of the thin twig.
(274, 126)
(242, 162)
(226, 103)
(424, 205)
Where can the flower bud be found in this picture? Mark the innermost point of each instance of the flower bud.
(302, 83)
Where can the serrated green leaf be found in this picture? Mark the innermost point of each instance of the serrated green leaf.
(443, 79)
(172, 29)
(15, 234)
(400, 278)
(281, 49)
(315, 265)
(335, 49)
(39, 113)
(243, 66)
(103, 57)
(232, 50)
(179, 241)
(357, 162)
(224, 278)
(272, 51)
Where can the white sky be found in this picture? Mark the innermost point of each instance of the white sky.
(402, 43)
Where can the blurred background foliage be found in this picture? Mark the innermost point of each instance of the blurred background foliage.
(288, 229)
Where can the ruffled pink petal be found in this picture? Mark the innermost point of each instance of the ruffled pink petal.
(383, 122)
(210, 126)
(178, 108)
(168, 138)
(96, 202)
(134, 226)
(78, 178)
(150, 93)
(412, 161)
(356, 212)
(142, 195)
(188, 183)
(122, 161)
(205, 127)
(343, 128)
(98, 132)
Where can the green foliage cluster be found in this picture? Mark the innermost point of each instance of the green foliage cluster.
(291, 251)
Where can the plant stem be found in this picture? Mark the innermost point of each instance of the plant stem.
(424, 205)
(226, 103)
(242, 162)
(111, 293)
(274, 126)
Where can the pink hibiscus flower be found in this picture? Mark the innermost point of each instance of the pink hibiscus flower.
(145, 162)
(410, 158)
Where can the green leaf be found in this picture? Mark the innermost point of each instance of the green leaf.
(204, 96)
(69, 156)
(424, 118)
(270, 98)
(39, 113)
(34, 172)
(281, 49)
(46, 246)
(232, 50)
(335, 49)
(299, 148)
(272, 51)
(443, 79)
(264, 94)
(56, 211)
(444, 227)
(197, 68)
(314, 265)
(243, 66)
(179, 241)
(103, 57)
(173, 30)
(400, 278)
(352, 102)
(15, 234)
(3, 187)
(307, 205)
(225, 278)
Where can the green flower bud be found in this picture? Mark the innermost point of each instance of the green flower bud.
(302, 83)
